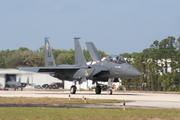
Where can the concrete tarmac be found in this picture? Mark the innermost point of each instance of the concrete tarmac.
(140, 99)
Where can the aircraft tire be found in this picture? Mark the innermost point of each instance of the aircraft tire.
(14, 88)
(98, 90)
(73, 90)
(110, 91)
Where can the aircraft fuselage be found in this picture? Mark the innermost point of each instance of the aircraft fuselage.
(111, 70)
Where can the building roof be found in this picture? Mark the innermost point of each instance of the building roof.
(15, 71)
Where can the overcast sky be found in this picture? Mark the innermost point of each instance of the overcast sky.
(115, 26)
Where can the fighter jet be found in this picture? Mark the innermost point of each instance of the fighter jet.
(109, 70)
(15, 85)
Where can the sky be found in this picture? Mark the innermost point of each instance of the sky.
(114, 26)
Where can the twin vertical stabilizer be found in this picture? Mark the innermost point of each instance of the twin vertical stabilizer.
(93, 51)
(49, 58)
(79, 56)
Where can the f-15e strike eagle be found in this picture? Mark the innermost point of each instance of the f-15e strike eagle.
(109, 70)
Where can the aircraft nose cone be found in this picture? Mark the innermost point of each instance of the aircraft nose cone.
(132, 72)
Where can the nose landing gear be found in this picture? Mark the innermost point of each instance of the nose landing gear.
(109, 86)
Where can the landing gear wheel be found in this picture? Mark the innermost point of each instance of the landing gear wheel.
(98, 89)
(110, 91)
(21, 88)
(73, 90)
(14, 88)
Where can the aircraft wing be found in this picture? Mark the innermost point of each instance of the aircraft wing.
(97, 69)
(60, 67)
(50, 69)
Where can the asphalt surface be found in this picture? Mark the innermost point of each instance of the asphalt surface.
(140, 99)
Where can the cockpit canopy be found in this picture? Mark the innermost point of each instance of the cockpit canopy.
(116, 59)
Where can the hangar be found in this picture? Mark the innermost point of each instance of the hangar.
(25, 76)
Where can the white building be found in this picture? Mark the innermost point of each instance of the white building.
(25, 76)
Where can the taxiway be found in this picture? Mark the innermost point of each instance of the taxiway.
(140, 99)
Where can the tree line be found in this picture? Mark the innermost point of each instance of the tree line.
(24, 57)
(159, 64)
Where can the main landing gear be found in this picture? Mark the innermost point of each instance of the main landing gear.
(73, 88)
(98, 89)
(110, 85)
(14, 88)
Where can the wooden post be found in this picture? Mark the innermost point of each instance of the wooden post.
(84, 100)
(69, 97)
(124, 106)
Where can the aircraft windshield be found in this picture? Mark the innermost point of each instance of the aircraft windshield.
(116, 59)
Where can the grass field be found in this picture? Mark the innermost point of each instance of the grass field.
(48, 113)
(50, 100)
(87, 114)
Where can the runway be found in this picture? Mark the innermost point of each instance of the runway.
(141, 100)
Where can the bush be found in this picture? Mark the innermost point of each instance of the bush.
(120, 88)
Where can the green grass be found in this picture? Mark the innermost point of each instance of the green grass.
(48, 113)
(87, 114)
(49, 100)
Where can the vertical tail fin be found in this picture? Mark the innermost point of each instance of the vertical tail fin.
(49, 58)
(79, 56)
(93, 51)
(19, 80)
(27, 81)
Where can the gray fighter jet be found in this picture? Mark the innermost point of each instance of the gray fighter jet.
(109, 70)
(15, 85)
